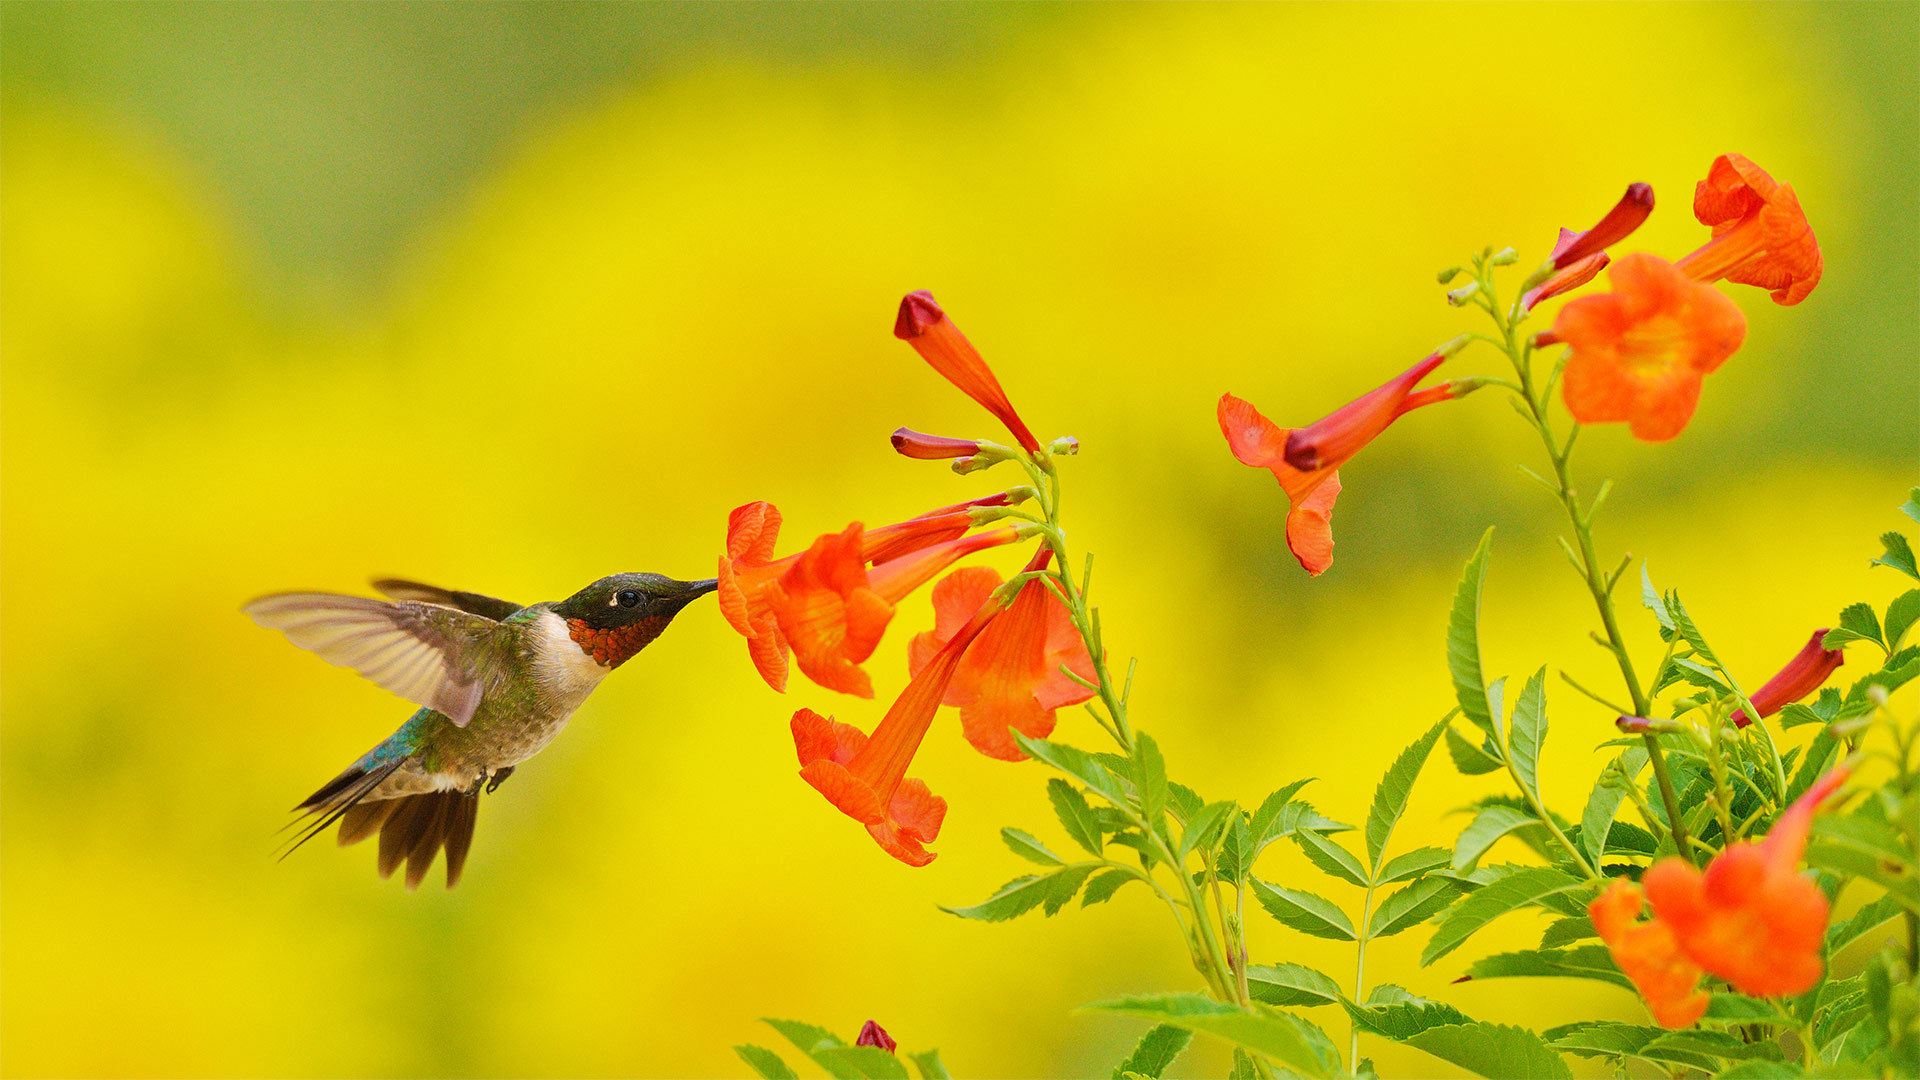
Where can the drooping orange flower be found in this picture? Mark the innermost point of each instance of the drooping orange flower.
(1760, 235)
(1809, 670)
(866, 777)
(1579, 256)
(1011, 678)
(1648, 954)
(1640, 351)
(1307, 460)
(924, 325)
(1751, 918)
(824, 606)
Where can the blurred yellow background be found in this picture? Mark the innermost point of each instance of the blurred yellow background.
(507, 298)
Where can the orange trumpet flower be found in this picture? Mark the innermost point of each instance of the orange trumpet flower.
(1011, 678)
(824, 606)
(1579, 256)
(865, 777)
(1641, 351)
(1760, 235)
(925, 326)
(1751, 919)
(1649, 955)
(1809, 669)
(1307, 460)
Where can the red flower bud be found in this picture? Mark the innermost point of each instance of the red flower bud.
(925, 326)
(914, 444)
(872, 1034)
(1805, 673)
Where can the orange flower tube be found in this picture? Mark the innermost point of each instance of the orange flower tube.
(1307, 460)
(925, 326)
(1579, 256)
(865, 777)
(1011, 679)
(1760, 234)
(1641, 351)
(1751, 919)
(1809, 670)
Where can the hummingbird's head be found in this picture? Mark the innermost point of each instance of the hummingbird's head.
(617, 616)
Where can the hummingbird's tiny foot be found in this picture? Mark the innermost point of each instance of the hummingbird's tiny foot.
(498, 777)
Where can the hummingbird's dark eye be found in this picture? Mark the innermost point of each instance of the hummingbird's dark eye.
(628, 598)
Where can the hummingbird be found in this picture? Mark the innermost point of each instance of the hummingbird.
(495, 682)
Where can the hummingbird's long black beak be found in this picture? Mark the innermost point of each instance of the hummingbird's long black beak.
(693, 590)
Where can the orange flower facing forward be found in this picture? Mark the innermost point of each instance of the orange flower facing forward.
(1579, 256)
(1307, 460)
(1649, 955)
(1810, 668)
(866, 777)
(1011, 679)
(925, 326)
(1751, 918)
(1641, 351)
(824, 606)
(1760, 235)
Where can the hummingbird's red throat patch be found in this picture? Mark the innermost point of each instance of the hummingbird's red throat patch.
(611, 648)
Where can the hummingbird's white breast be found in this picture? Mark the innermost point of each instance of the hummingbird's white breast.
(562, 667)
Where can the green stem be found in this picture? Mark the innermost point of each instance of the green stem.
(1590, 564)
(1359, 979)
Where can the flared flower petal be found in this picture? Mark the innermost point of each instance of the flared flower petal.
(1307, 460)
(1751, 918)
(924, 325)
(1648, 954)
(1760, 234)
(1641, 351)
(1010, 680)
(1808, 671)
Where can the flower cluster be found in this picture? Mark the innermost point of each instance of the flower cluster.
(999, 651)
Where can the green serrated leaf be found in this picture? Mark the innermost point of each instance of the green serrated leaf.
(1899, 555)
(1519, 889)
(1305, 912)
(765, 1063)
(1741, 1009)
(1489, 825)
(1527, 734)
(1103, 886)
(1584, 962)
(1911, 507)
(1565, 931)
(1029, 848)
(1596, 822)
(1472, 760)
(1404, 909)
(1203, 828)
(1414, 863)
(1154, 1052)
(1396, 788)
(1076, 817)
(1861, 923)
(860, 1063)
(1078, 764)
(1683, 622)
(1274, 1035)
(1861, 622)
(930, 1065)
(1150, 773)
(1023, 894)
(1755, 1070)
(1901, 615)
(1405, 1017)
(1331, 858)
(1291, 985)
(1717, 1043)
(1497, 1051)
(1463, 639)
(1650, 598)
(807, 1038)
(1601, 1039)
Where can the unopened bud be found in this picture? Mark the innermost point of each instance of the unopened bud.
(1504, 257)
(1544, 338)
(1453, 346)
(1464, 293)
(872, 1034)
(1014, 496)
(924, 447)
(1065, 446)
(1459, 388)
(1640, 725)
(1448, 274)
(974, 464)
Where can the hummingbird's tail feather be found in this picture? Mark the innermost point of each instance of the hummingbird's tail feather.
(336, 798)
(416, 827)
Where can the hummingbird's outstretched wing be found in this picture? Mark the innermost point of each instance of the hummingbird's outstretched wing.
(430, 654)
(477, 603)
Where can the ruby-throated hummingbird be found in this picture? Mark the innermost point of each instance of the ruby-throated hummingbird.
(495, 683)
